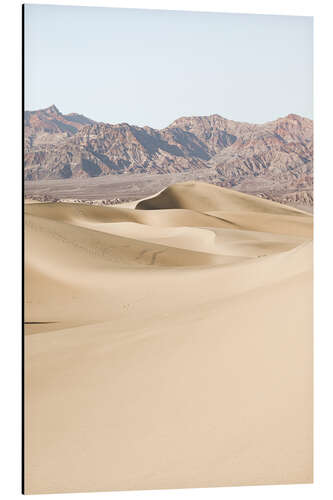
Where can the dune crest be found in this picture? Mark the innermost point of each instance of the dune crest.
(168, 345)
(208, 197)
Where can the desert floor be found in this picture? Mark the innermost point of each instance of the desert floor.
(169, 345)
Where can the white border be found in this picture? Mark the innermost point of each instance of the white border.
(10, 161)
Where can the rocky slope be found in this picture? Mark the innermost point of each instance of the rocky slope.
(49, 126)
(275, 157)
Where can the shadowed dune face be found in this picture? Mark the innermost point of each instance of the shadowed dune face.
(207, 197)
(125, 304)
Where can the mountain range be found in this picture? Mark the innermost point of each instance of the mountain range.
(273, 160)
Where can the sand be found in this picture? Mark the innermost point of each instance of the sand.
(168, 345)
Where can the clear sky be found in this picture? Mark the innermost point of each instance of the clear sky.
(149, 67)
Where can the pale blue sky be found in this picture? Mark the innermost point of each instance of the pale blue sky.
(149, 67)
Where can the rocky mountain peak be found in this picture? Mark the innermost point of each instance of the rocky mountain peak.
(52, 110)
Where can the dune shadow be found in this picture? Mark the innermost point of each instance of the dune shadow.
(40, 322)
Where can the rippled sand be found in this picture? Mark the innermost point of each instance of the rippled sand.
(168, 345)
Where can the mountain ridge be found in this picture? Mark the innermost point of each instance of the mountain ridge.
(258, 158)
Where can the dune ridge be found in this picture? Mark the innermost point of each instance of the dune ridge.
(168, 345)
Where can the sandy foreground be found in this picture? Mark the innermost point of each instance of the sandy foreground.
(169, 345)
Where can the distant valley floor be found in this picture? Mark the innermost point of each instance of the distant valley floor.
(114, 189)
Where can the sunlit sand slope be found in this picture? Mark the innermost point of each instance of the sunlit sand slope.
(202, 196)
(170, 345)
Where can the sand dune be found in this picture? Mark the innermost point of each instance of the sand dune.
(201, 196)
(168, 345)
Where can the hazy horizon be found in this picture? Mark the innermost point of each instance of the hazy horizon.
(149, 67)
